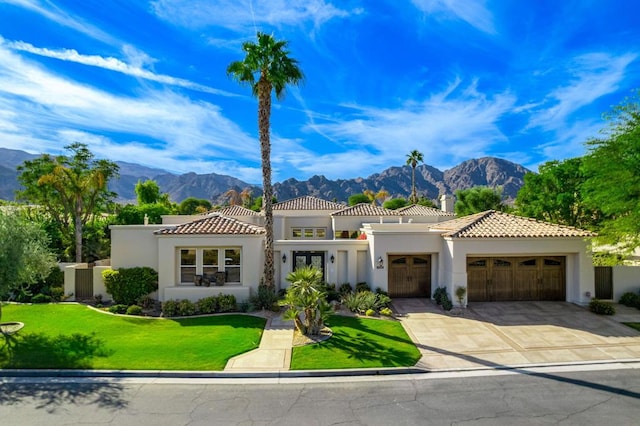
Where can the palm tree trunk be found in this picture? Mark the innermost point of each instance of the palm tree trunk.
(78, 228)
(264, 115)
(413, 184)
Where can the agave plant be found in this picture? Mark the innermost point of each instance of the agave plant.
(306, 300)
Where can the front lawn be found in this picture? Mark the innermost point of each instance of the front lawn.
(358, 343)
(635, 325)
(70, 336)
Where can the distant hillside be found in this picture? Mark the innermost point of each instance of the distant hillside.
(430, 182)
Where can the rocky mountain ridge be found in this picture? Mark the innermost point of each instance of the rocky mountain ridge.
(430, 182)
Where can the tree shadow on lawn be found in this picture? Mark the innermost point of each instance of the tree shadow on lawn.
(360, 345)
(39, 350)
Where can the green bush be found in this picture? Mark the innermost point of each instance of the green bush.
(265, 298)
(362, 286)
(344, 289)
(601, 308)
(331, 292)
(370, 312)
(170, 308)
(227, 303)
(208, 305)
(118, 309)
(447, 305)
(147, 302)
(57, 293)
(438, 295)
(386, 312)
(128, 285)
(186, 308)
(630, 299)
(364, 300)
(134, 310)
(41, 298)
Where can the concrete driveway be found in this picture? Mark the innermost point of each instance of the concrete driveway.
(510, 334)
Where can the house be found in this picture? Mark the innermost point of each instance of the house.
(407, 252)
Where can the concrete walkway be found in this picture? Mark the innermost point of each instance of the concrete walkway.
(274, 352)
(513, 334)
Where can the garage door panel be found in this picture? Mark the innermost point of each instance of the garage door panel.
(410, 276)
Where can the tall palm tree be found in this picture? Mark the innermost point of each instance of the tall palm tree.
(413, 158)
(266, 67)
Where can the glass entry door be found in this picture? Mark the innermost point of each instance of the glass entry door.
(309, 258)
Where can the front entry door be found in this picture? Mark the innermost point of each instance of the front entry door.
(410, 275)
(309, 258)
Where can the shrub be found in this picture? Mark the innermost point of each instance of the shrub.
(364, 300)
(447, 305)
(331, 292)
(438, 294)
(57, 293)
(345, 289)
(170, 308)
(601, 308)
(381, 291)
(227, 303)
(370, 312)
(41, 298)
(208, 305)
(386, 312)
(186, 307)
(118, 309)
(265, 298)
(629, 299)
(362, 286)
(147, 302)
(134, 310)
(128, 285)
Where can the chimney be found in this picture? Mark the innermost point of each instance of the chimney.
(446, 203)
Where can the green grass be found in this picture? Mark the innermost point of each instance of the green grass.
(635, 325)
(358, 343)
(71, 336)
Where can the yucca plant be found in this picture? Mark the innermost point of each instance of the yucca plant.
(306, 301)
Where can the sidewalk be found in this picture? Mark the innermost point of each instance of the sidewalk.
(274, 352)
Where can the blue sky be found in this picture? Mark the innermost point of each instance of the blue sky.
(145, 81)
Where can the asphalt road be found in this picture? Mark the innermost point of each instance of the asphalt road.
(606, 397)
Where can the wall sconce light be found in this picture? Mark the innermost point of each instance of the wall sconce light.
(284, 258)
(332, 258)
(380, 263)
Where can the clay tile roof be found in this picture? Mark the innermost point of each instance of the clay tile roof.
(418, 210)
(234, 211)
(493, 224)
(211, 225)
(365, 209)
(307, 203)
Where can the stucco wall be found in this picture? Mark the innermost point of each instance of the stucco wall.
(134, 245)
(625, 279)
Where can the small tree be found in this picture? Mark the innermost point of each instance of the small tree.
(478, 199)
(306, 300)
(358, 199)
(395, 203)
(24, 255)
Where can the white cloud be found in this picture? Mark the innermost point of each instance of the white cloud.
(59, 16)
(590, 77)
(139, 59)
(473, 12)
(159, 128)
(242, 15)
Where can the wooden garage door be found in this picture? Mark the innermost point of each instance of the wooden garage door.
(410, 275)
(516, 278)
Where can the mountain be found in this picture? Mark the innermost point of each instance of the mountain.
(430, 182)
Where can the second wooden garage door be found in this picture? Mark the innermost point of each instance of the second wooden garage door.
(516, 278)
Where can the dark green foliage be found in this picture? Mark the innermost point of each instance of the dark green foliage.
(612, 168)
(601, 308)
(395, 203)
(147, 302)
(227, 303)
(331, 293)
(186, 308)
(118, 309)
(362, 301)
(170, 308)
(358, 199)
(208, 305)
(147, 192)
(362, 286)
(345, 289)
(192, 205)
(478, 199)
(423, 201)
(447, 305)
(438, 294)
(134, 310)
(128, 285)
(630, 299)
(265, 298)
(134, 215)
(41, 298)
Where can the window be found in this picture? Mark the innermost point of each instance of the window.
(187, 265)
(309, 233)
(352, 235)
(209, 261)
